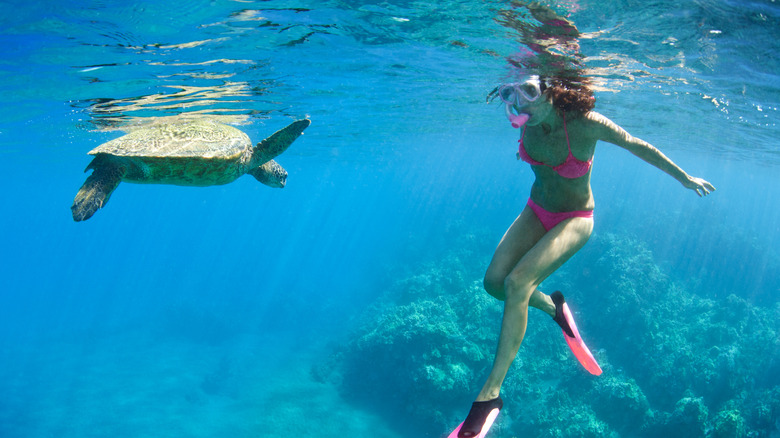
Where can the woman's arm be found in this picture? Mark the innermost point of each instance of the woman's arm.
(609, 131)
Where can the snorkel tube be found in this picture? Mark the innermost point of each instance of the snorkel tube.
(517, 120)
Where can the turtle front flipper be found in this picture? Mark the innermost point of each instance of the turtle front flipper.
(279, 141)
(271, 174)
(98, 187)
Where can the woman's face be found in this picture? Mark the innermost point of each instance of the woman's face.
(538, 110)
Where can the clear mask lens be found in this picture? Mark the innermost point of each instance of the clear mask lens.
(519, 93)
(508, 94)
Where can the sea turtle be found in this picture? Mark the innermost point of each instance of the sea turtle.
(185, 153)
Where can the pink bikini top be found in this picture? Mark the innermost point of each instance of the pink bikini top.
(571, 167)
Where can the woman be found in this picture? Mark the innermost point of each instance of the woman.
(559, 137)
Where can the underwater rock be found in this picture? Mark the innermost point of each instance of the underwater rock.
(762, 412)
(620, 402)
(689, 416)
(565, 417)
(688, 419)
(729, 424)
(417, 355)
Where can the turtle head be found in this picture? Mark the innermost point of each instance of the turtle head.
(279, 141)
(271, 174)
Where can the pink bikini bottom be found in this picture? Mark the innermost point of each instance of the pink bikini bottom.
(550, 219)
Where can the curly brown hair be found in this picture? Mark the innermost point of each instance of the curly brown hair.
(570, 95)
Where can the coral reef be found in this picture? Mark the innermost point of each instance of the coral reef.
(729, 424)
(675, 362)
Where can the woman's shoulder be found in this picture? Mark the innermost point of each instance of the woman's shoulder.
(599, 124)
(602, 128)
(589, 124)
(592, 117)
(588, 118)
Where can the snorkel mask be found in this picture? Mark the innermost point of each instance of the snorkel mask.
(518, 95)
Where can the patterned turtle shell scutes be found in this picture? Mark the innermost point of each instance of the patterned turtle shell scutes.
(203, 139)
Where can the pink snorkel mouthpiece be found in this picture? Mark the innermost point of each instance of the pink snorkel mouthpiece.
(517, 120)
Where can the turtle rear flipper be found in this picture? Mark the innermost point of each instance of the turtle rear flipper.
(98, 187)
(279, 141)
(271, 174)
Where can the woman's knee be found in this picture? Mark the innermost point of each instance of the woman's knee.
(494, 285)
(519, 286)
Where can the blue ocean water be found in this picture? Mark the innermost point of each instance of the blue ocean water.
(179, 311)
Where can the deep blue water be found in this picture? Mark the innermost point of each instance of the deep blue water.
(180, 311)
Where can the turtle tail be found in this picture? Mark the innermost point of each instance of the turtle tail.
(98, 187)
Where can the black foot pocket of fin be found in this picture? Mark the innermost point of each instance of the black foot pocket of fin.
(478, 414)
(557, 298)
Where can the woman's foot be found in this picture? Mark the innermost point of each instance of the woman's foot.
(479, 417)
(560, 318)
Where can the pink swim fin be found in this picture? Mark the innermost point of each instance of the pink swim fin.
(483, 409)
(565, 319)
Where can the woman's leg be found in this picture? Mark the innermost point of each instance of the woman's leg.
(551, 251)
(521, 236)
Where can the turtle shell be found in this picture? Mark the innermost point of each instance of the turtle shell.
(193, 153)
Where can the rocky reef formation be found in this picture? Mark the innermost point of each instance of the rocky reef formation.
(675, 363)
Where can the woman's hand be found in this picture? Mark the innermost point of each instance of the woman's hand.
(700, 186)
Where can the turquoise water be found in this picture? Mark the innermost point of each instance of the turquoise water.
(180, 311)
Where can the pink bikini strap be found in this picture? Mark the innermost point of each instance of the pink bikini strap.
(521, 146)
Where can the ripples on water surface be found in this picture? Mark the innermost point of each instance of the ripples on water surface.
(116, 63)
